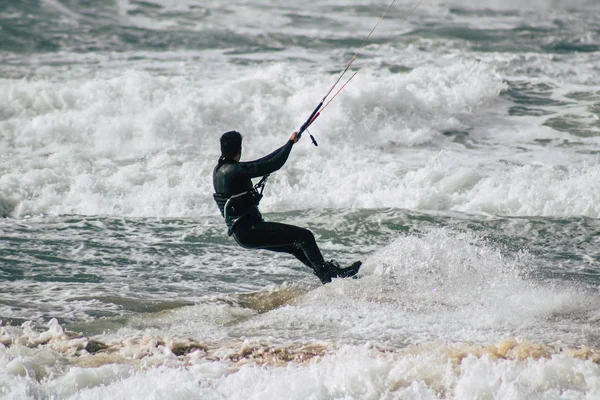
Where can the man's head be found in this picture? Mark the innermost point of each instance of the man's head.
(231, 144)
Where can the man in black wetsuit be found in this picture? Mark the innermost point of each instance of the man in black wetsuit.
(238, 199)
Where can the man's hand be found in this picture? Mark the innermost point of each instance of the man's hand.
(294, 138)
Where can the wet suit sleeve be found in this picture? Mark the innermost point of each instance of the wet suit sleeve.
(267, 164)
(273, 154)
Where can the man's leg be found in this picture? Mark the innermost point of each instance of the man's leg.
(275, 236)
(293, 250)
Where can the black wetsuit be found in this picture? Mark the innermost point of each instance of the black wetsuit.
(231, 178)
(250, 230)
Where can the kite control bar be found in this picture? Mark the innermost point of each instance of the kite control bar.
(309, 121)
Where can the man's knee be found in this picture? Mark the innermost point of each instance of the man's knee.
(305, 236)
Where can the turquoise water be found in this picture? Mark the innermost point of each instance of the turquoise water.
(95, 267)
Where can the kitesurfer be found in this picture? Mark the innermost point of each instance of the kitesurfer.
(238, 200)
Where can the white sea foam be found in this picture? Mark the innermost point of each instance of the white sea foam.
(141, 145)
(452, 371)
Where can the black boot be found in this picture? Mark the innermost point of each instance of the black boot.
(324, 274)
(337, 272)
(331, 269)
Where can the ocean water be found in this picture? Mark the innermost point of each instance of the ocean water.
(462, 164)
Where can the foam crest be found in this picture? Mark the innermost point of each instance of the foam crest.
(537, 190)
(447, 182)
(127, 113)
(137, 144)
(444, 265)
(252, 368)
(410, 109)
(447, 283)
(144, 145)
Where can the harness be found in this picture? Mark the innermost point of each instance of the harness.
(234, 208)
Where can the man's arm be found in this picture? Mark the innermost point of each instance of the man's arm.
(269, 156)
(269, 163)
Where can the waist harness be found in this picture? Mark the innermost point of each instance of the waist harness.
(235, 207)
